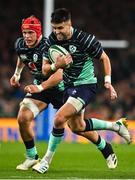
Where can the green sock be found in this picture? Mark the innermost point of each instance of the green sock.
(53, 142)
(31, 153)
(52, 146)
(101, 124)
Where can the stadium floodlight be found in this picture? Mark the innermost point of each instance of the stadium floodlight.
(119, 44)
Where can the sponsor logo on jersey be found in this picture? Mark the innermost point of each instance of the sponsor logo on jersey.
(35, 57)
(72, 49)
(23, 56)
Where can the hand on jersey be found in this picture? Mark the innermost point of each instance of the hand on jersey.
(33, 88)
(113, 93)
(63, 61)
(14, 81)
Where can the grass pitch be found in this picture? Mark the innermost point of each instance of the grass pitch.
(72, 161)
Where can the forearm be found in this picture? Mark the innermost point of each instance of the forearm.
(53, 80)
(107, 67)
(107, 72)
(19, 67)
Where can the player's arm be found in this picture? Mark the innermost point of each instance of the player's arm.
(14, 81)
(52, 81)
(47, 69)
(94, 47)
(61, 62)
(107, 71)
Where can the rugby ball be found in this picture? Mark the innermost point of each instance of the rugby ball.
(56, 50)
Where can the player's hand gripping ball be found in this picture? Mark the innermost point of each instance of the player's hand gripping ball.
(55, 51)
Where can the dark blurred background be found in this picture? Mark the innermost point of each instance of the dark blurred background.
(107, 20)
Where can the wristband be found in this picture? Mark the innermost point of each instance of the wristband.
(53, 67)
(17, 73)
(108, 79)
(17, 77)
(40, 87)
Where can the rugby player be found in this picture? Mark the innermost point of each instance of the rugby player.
(80, 83)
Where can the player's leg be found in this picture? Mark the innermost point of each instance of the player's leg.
(55, 139)
(63, 114)
(29, 109)
(104, 147)
(80, 99)
(56, 136)
(58, 132)
(67, 111)
(119, 126)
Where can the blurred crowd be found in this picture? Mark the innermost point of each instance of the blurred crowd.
(107, 20)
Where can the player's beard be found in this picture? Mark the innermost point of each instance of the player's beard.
(61, 36)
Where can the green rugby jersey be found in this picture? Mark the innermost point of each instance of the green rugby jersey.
(83, 48)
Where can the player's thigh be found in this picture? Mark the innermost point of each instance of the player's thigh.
(66, 111)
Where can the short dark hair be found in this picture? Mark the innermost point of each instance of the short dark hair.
(60, 15)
